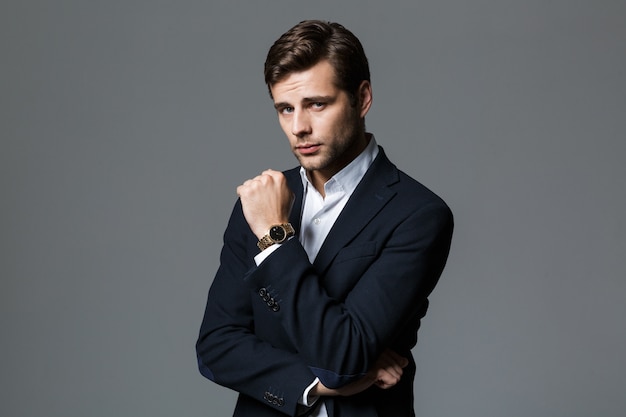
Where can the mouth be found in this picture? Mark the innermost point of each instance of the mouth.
(308, 148)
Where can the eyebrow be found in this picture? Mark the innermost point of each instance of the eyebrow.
(315, 99)
(306, 100)
(281, 105)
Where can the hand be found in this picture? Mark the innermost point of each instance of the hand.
(388, 369)
(385, 374)
(266, 200)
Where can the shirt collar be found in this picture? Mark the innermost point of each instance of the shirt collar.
(349, 177)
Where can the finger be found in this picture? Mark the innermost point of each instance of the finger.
(271, 172)
(253, 182)
(383, 385)
(400, 360)
(391, 362)
(245, 187)
(389, 372)
(275, 175)
(386, 380)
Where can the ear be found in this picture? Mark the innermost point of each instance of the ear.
(365, 97)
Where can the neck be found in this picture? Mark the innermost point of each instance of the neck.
(319, 178)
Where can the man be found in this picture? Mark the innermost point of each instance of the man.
(325, 270)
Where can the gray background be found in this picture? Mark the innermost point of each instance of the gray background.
(126, 126)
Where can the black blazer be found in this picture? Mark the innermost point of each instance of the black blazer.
(268, 331)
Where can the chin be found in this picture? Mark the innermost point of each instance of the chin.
(309, 162)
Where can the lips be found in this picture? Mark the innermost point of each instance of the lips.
(308, 149)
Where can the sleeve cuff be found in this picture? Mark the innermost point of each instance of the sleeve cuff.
(259, 258)
(308, 400)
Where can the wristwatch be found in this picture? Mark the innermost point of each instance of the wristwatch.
(278, 233)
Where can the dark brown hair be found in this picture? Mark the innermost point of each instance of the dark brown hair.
(312, 41)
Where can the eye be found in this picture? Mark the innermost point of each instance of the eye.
(285, 110)
(318, 105)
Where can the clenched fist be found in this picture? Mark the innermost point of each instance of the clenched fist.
(266, 200)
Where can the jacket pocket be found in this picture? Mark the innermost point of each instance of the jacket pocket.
(362, 250)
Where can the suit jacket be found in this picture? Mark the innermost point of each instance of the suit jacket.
(268, 331)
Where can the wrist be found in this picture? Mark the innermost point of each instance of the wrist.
(320, 390)
(309, 398)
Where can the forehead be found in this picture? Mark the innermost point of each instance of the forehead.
(316, 81)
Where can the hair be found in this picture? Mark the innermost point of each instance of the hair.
(312, 41)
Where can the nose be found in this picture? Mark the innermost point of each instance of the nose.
(300, 124)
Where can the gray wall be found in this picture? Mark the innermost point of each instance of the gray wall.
(126, 126)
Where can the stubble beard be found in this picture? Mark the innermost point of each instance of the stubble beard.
(335, 154)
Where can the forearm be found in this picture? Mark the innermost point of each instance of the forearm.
(232, 349)
(231, 355)
(386, 373)
(388, 292)
(252, 367)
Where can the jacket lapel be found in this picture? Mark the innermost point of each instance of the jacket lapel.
(370, 196)
(295, 184)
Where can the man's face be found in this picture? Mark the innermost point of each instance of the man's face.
(324, 130)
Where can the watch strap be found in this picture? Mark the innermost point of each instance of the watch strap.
(267, 241)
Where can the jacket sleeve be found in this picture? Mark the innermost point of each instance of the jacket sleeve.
(228, 350)
(340, 337)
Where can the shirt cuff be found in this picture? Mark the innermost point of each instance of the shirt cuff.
(267, 252)
(258, 259)
(306, 399)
